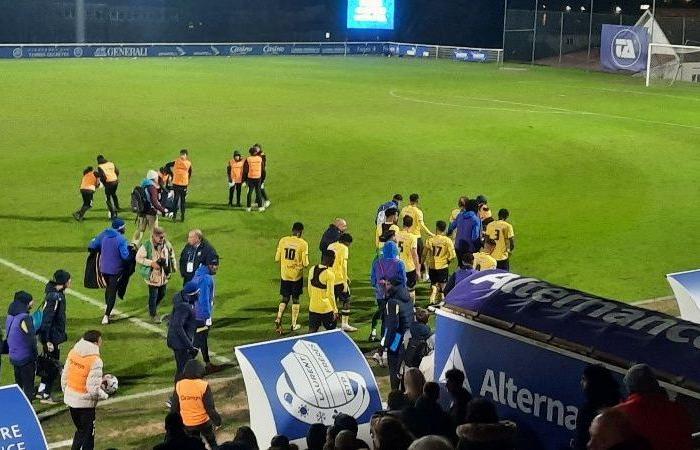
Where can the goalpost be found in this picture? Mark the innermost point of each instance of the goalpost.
(668, 64)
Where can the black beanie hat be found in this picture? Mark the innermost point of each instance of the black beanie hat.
(23, 297)
(61, 277)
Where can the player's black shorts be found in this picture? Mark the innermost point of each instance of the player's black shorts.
(411, 279)
(438, 275)
(292, 288)
(318, 319)
(340, 294)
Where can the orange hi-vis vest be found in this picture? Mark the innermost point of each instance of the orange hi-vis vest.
(191, 396)
(254, 167)
(89, 182)
(109, 170)
(236, 170)
(78, 368)
(181, 172)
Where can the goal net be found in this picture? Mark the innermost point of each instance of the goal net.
(672, 64)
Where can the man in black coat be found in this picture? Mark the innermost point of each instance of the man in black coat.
(52, 332)
(398, 316)
(332, 234)
(194, 254)
(182, 327)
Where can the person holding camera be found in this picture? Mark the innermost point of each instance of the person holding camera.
(155, 261)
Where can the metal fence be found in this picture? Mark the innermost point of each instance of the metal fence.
(573, 38)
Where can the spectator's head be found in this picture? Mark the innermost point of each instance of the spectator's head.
(236, 445)
(93, 336)
(173, 424)
(340, 224)
(599, 385)
(396, 401)
(390, 433)
(152, 175)
(466, 260)
(101, 159)
(345, 422)
(431, 442)
(237, 155)
(297, 229)
(195, 237)
(346, 239)
(88, 169)
(462, 202)
(481, 410)
(328, 258)
(316, 437)
(345, 440)
(608, 429)
(61, 279)
(407, 221)
(481, 199)
(641, 380)
(391, 215)
(455, 380)
(397, 198)
(212, 263)
(119, 225)
(280, 441)
(414, 381)
(24, 298)
(191, 291)
(245, 435)
(184, 153)
(489, 245)
(413, 198)
(503, 214)
(441, 226)
(431, 391)
(158, 235)
(472, 205)
(422, 315)
(193, 370)
(252, 151)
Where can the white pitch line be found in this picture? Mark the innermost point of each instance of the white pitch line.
(94, 302)
(550, 110)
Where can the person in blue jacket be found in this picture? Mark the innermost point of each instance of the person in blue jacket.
(398, 318)
(468, 226)
(21, 342)
(204, 308)
(182, 327)
(115, 256)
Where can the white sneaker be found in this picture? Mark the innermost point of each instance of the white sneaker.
(296, 327)
(348, 328)
(267, 203)
(105, 320)
(261, 209)
(378, 359)
(247, 209)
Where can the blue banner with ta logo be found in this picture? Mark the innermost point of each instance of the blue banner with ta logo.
(296, 382)
(624, 48)
(19, 425)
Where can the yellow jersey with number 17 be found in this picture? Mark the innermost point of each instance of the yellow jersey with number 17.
(407, 242)
(293, 256)
(501, 232)
(442, 251)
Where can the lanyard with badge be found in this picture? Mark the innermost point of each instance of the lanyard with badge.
(190, 260)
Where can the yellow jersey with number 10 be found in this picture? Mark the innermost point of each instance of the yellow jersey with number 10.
(293, 256)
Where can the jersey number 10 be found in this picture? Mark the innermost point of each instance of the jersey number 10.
(290, 254)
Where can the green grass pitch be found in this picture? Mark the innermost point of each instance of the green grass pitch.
(599, 173)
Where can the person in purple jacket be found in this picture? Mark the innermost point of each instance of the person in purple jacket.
(385, 269)
(468, 226)
(21, 342)
(115, 256)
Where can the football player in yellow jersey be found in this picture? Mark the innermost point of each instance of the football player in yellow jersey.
(408, 253)
(322, 307)
(483, 260)
(502, 232)
(384, 231)
(418, 227)
(342, 281)
(439, 252)
(293, 256)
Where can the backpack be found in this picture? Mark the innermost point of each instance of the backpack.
(38, 316)
(416, 350)
(139, 200)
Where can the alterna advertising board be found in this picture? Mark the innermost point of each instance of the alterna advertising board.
(19, 425)
(491, 333)
(296, 382)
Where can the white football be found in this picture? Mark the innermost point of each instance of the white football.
(110, 384)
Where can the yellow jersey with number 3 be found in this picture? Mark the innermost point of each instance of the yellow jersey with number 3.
(501, 232)
(442, 251)
(407, 243)
(293, 256)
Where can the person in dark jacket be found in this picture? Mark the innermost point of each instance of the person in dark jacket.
(427, 416)
(182, 327)
(398, 317)
(115, 257)
(195, 403)
(460, 396)
(149, 218)
(175, 436)
(197, 251)
(483, 430)
(465, 269)
(52, 331)
(21, 341)
(601, 391)
(332, 234)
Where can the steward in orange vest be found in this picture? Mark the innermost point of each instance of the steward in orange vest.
(88, 185)
(109, 175)
(181, 169)
(194, 402)
(252, 174)
(234, 170)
